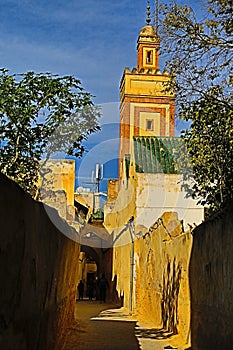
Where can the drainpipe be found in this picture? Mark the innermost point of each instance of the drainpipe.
(131, 230)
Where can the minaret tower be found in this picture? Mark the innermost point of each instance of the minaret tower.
(146, 108)
(148, 46)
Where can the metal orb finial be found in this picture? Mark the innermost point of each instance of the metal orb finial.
(148, 19)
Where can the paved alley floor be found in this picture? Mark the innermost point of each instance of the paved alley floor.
(105, 327)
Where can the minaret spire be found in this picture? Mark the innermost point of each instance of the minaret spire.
(148, 19)
(148, 44)
(156, 15)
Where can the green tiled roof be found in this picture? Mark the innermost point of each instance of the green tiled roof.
(157, 154)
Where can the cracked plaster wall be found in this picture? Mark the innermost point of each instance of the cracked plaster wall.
(161, 297)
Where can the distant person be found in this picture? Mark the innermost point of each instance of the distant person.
(80, 290)
(103, 285)
(91, 289)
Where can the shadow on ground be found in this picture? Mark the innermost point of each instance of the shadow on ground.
(98, 329)
(153, 333)
(107, 335)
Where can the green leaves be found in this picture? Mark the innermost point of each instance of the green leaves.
(200, 61)
(41, 114)
(209, 143)
(199, 48)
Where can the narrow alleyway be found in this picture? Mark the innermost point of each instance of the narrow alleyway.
(103, 326)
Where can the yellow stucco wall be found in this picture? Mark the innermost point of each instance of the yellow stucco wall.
(57, 181)
(211, 281)
(118, 212)
(160, 274)
(144, 84)
(121, 269)
(158, 193)
(38, 272)
(61, 177)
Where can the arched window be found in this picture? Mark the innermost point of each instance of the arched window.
(149, 57)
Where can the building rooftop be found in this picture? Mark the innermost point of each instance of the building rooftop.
(157, 154)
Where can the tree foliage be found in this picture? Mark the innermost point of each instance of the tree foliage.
(200, 54)
(41, 114)
(209, 143)
(200, 51)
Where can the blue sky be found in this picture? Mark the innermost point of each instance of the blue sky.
(94, 40)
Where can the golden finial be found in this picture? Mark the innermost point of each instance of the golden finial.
(148, 19)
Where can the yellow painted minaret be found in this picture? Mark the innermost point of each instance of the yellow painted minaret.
(146, 108)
